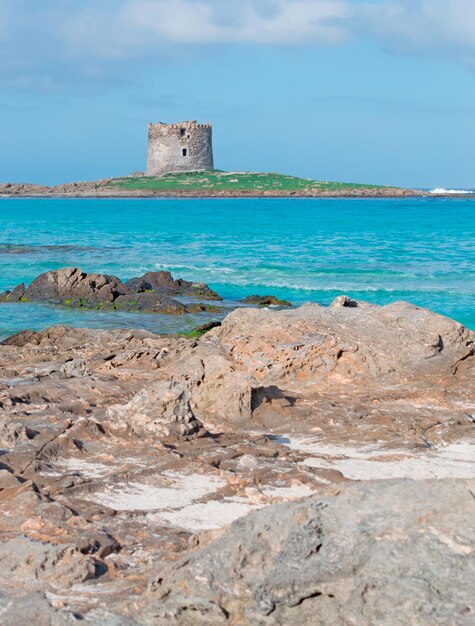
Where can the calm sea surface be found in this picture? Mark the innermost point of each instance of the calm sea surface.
(421, 250)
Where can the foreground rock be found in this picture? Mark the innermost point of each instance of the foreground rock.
(123, 452)
(357, 557)
(153, 292)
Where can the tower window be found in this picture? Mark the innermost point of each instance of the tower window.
(182, 132)
(185, 152)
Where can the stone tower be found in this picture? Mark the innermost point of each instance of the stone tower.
(182, 147)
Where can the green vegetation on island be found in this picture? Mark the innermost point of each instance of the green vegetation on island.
(216, 180)
(209, 183)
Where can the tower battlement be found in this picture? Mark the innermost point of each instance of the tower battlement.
(179, 147)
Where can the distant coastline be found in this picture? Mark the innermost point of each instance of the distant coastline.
(212, 184)
(218, 184)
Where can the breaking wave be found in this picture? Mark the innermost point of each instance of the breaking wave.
(442, 191)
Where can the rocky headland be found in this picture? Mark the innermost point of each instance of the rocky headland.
(311, 465)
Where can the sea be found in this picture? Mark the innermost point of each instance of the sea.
(304, 250)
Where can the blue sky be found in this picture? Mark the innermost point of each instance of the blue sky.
(376, 91)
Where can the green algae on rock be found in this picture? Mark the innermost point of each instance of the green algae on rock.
(154, 292)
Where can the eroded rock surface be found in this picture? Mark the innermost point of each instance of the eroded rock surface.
(356, 557)
(124, 454)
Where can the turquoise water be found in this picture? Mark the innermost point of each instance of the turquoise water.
(421, 250)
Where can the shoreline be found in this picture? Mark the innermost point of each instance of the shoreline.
(216, 185)
(110, 188)
(209, 195)
(233, 195)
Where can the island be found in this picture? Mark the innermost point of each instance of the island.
(180, 163)
(208, 184)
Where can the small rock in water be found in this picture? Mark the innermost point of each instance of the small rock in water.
(153, 292)
(344, 301)
(265, 301)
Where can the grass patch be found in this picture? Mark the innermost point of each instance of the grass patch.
(199, 331)
(216, 180)
(193, 334)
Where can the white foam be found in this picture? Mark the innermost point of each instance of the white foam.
(194, 268)
(441, 191)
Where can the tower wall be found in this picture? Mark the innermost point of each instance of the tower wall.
(182, 147)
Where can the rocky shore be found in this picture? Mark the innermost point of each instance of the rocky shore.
(106, 189)
(154, 292)
(311, 465)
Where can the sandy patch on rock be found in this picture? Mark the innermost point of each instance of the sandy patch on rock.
(181, 490)
(178, 503)
(456, 460)
(210, 515)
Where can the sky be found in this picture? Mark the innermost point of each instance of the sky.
(371, 91)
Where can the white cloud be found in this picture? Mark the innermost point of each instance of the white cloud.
(257, 21)
(142, 26)
(57, 41)
(442, 27)
(418, 24)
